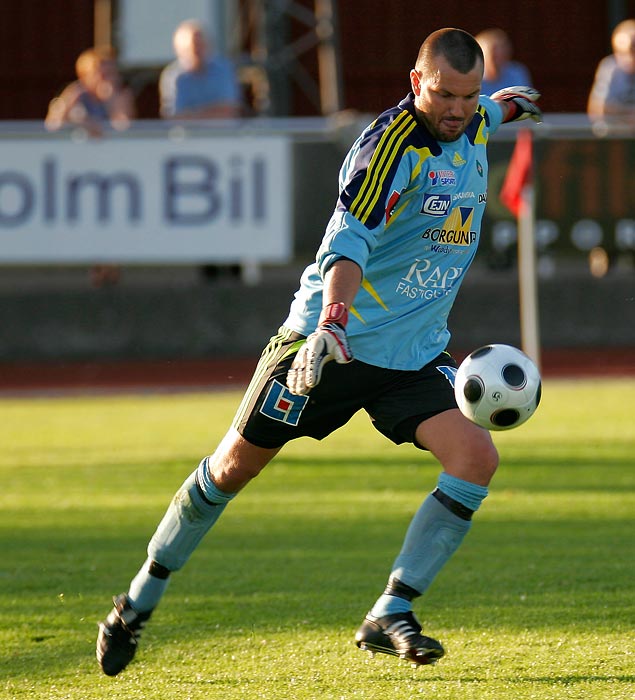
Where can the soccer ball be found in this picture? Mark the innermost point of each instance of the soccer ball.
(497, 387)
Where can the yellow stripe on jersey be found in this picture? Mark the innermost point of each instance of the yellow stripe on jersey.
(376, 155)
(371, 290)
(379, 165)
(481, 135)
(387, 162)
(368, 287)
(423, 154)
(356, 313)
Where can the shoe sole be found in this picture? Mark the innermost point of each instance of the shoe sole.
(418, 657)
(379, 643)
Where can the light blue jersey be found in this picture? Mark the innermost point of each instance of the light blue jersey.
(409, 214)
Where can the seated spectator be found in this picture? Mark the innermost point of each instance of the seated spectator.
(96, 98)
(500, 71)
(612, 95)
(200, 84)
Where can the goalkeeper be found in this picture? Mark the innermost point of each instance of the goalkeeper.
(367, 329)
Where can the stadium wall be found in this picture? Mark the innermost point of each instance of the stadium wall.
(225, 318)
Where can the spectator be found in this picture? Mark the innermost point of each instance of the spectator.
(612, 95)
(96, 98)
(500, 70)
(199, 84)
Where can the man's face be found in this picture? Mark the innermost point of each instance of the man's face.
(624, 48)
(190, 46)
(447, 99)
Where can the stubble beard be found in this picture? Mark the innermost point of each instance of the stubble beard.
(436, 132)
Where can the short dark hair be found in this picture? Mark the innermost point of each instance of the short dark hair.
(459, 48)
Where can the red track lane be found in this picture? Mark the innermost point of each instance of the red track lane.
(173, 375)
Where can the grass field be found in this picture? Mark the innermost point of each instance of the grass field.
(538, 603)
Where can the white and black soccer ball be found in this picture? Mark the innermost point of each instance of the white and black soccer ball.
(497, 387)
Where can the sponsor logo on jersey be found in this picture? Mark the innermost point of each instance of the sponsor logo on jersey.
(458, 160)
(442, 178)
(479, 168)
(426, 281)
(281, 405)
(456, 229)
(435, 204)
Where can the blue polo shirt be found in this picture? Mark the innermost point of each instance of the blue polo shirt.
(184, 90)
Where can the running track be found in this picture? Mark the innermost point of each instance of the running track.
(183, 375)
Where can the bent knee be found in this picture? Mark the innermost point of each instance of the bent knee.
(474, 459)
(480, 462)
(487, 457)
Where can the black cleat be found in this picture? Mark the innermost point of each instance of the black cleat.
(399, 635)
(119, 636)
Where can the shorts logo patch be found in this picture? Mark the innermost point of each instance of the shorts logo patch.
(281, 405)
(448, 372)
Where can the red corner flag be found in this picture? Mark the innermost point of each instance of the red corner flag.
(519, 173)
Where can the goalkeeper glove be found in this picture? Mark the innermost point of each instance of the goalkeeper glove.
(327, 342)
(520, 99)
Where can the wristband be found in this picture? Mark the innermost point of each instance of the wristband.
(512, 110)
(334, 313)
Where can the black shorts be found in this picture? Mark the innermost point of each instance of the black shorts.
(396, 400)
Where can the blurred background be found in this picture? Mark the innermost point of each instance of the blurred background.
(167, 237)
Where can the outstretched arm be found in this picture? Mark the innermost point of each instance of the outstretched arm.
(519, 102)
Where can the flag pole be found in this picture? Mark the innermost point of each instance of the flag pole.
(527, 275)
(517, 194)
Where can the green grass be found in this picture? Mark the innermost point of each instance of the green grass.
(538, 603)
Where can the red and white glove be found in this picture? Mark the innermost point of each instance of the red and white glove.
(521, 100)
(328, 342)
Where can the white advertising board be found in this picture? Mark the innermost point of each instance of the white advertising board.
(146, 200)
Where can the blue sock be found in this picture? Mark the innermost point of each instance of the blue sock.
(434, 534)
(468, 494)
(146, 590)
(388, 604)
(195, 508)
